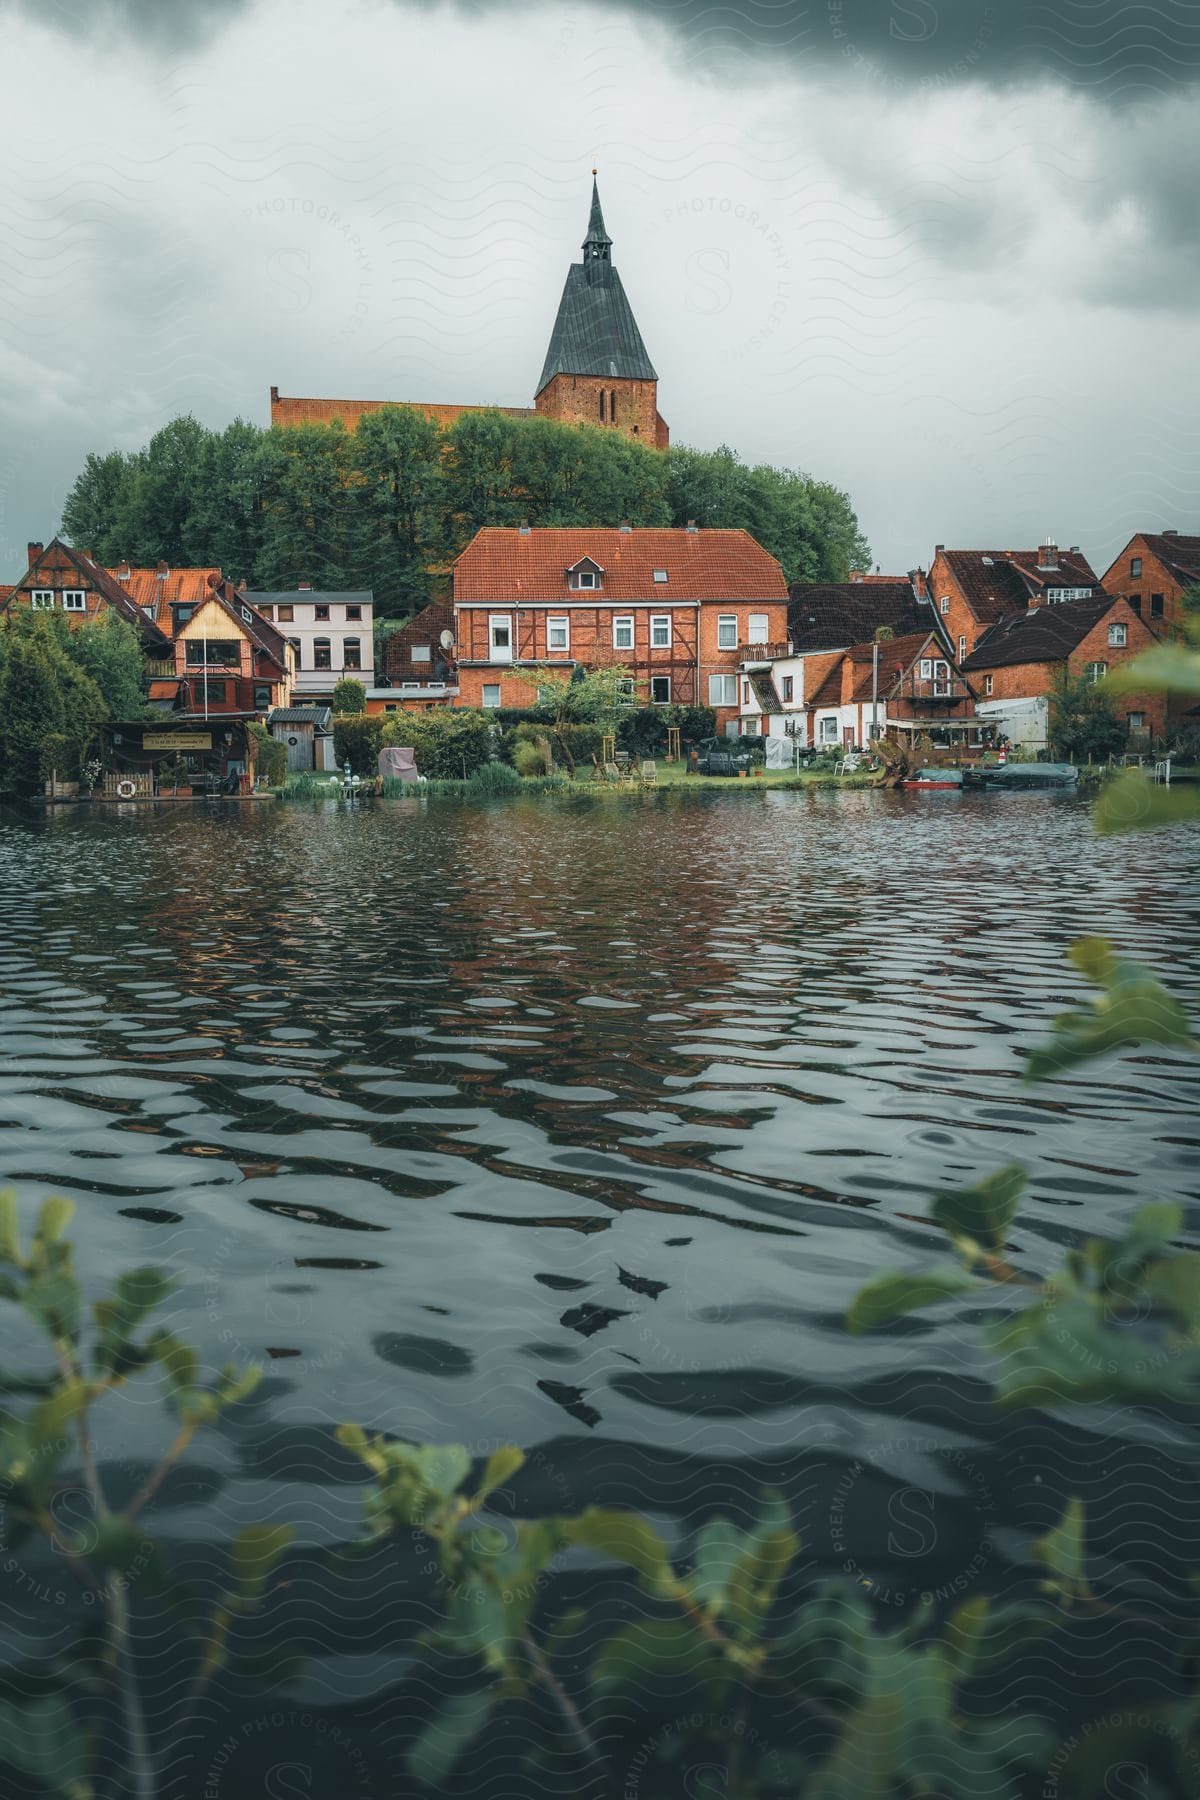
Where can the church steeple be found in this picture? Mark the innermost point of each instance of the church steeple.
(597, 245)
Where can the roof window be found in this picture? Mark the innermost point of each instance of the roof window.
(660, 574)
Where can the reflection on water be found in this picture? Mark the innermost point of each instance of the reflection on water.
(577, 1125)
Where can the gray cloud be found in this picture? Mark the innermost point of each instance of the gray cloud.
(1119, 51)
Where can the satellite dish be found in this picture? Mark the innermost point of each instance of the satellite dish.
(447, 640)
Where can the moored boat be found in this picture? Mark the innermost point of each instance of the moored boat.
(1024, 775)
(934, 778)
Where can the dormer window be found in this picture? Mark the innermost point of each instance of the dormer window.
(247, 615)
(585, 575)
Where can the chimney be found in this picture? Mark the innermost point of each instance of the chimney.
(523, 528)
(625, 525)
(1048, 554)
(304, 587)
(1074, 550)
(938, 549)
(856, 575)
(274, 396)
(916, 580)
(691, 525)
(35, 552)
(1174, 532)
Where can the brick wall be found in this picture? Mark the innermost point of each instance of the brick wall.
(1023, 681)
(1155, 578)
(575, 400)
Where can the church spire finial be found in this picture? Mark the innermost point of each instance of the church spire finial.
(597, 245)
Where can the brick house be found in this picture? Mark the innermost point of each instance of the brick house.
(418, 663)
(906, 686)
(228, 660)
(596, 370)
(1153, 572)
(973, 589)
(1018, 658)
(62, 579)
(680, 608)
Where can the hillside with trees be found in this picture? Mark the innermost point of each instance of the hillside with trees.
(389, 505)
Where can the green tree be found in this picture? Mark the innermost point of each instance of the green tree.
(1082, 723)
(808, 525)
(151, 522)
(31, 709)
(349, 696)
(597, 697)
(109, 652)
(397, 462)
(307, 526)
(100, 492)
(226, 522)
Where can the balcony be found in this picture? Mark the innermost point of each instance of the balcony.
(761, 656)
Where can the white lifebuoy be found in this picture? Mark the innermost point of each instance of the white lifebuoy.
(126, 790)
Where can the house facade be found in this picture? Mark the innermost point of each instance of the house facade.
(678, 609)
(596, 370)
(1153, 573)
(229, 660)
(418, 664)
(61, 579)
(972, 590)
(332, 634)
(841, 699)
(1017, 660)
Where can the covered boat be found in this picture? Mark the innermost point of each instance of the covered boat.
(1024, 775)
(933, 778)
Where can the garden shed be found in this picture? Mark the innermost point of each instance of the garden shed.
(308, 733)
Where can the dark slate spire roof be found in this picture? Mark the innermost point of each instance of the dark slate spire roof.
(595, 332)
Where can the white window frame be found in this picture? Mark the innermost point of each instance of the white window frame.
(499, 652)
(660, 575)
(489, 687)
(42, 599)
(828, 730)
(1118, 636)
(559, 623)
(665, 700)
(926, 668)
(726, 623)
(1136, 721)
(722, 690)
(660, 623)
(962, 646)
(1096, 671)
(420, 653)
(585, 579)
(944, 605)
(75, 600)
(622, 622)
(246, 614)
(988, 685)
(759, 628)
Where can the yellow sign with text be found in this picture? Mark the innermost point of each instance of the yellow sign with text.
(177, 740)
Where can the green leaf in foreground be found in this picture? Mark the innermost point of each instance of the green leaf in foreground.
(41, 1738)
(443, 1740)
(1168, 668)
(983, 1213)
(1132, 803)
(892, 1296)
(627, 1538)
(255, 1552)
(1134, 1008)
(1063, 1553)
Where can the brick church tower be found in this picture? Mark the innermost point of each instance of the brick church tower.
(597, 371)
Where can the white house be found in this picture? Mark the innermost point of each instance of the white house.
(333, 635)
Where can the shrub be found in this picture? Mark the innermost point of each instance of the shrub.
(494, 778)
(448, 743)
(58, 757)
(270, 754)
(349, 696)
(357, 740)
(528, 760)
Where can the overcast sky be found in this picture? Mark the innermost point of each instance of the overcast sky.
(943, 253)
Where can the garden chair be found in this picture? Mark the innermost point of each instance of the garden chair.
(611, 772)
(649, 774)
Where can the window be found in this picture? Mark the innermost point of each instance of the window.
(612, 406)
(1116, 636)
(321, 612)
(420, 653)
(391, 706)
(1056, 594)
(182, 615)
(584, 578)
(416, 684)
(351, 653)
(214, 692)
(726, 631)
(944, 605)
(745, 693)
(499, 638)
(220, 653)
(926, 668)
(353, 612)
(491, 693)
(1156, 605)
(660, 575)
(660, 689)
(988, 684)
(42, 599)
(247, 615)
(625, 690)
(758, 628)
(722, 690)
(1137, 721)
(1135, 600)
(789, 686)
(1096, 671)
(74, 600)
(623, 631)
(322, 653)
(660, 631)
(284, 613)
(962, 649)
(1135, 566)
(262, 698)
(829, 731)
(558, 634)
(603, 395)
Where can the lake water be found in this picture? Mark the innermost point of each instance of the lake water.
(576, 1124)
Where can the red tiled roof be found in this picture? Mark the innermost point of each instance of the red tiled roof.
(995, 583)
(832, 615)
(503, 564)
(896, 657)
(158, 589)
(163, 690)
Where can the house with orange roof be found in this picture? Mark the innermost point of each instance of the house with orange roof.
(62, 579)
(679, 608)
